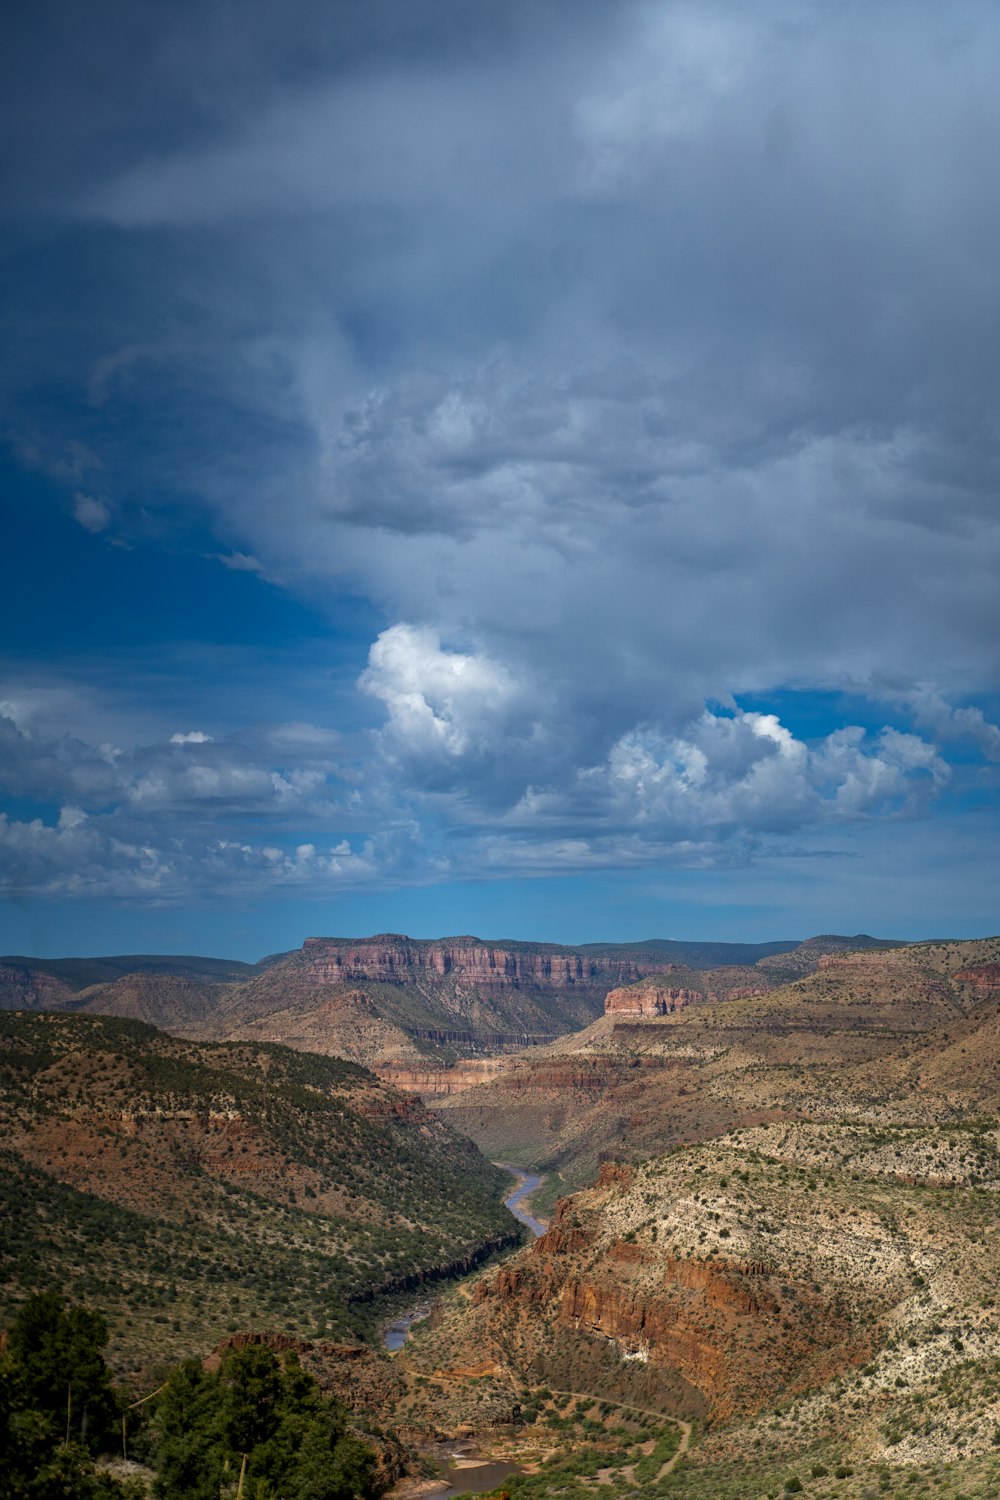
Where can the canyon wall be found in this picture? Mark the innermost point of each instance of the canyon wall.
(392, 958)
(648, 1000)
(438, 1082)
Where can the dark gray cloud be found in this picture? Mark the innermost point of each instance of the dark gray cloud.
(627, 358)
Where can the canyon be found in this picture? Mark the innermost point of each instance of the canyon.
(779, 1219)
(876, 1031)
(772, 1194)
(407, 1005)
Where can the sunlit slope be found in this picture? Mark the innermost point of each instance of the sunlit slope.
(186, 1189)
(903, 1035)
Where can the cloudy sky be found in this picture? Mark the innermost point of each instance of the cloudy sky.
(525, 468)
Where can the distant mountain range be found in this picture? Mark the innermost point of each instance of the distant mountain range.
(399, 1002)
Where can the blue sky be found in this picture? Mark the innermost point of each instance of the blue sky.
(528, 470)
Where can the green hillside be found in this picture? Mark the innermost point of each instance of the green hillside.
(188, 1189)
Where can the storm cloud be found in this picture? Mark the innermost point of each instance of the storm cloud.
(636, 365)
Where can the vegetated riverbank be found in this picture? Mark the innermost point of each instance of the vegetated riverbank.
(562, 1442)
(397, 1330)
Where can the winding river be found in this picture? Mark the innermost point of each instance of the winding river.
(464, 1468)
(527, 1183)
(395, 1334)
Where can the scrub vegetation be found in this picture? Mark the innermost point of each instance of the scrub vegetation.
(186, 1190)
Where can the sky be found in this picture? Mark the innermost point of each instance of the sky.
(527, 469)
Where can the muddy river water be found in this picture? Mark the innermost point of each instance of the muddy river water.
(524, 1187)
(463, 1468)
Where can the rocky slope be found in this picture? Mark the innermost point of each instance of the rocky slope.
(182, 1188)
(814, 1294)
(870, 1034)
(410, 1007)
(799, 1249)
(758, 1267)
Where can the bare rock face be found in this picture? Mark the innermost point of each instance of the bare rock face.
(649, 1000)
(437, 1082)
(701, 1291)
(394, 959)
(982, 980)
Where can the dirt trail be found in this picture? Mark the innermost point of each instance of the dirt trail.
(674, 1459)
(643, 1411)
(682, 1448)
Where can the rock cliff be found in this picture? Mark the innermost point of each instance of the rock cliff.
(394, 959)
(438, 1082)
(731, 1276)
(648, 1000)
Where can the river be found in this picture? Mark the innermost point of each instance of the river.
(395, 1334)
(526, 1184)
(464, 1468)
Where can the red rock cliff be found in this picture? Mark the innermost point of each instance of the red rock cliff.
(649, 1000)
(391, 958)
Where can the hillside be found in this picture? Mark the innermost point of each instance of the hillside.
(187, 1190)
(819, 1299)
(909, 1033)
(401, 1005)
(791, 1241)
(57, 983)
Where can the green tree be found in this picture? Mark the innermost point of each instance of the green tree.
(190, 1451)
(36, 1463)
(293, 1437)
(330, 1467)
(56, 1354)
(253, 1390)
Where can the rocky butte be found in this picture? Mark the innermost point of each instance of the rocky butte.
(648, 1000)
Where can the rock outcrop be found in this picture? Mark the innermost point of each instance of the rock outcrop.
(649, 1000)
(723, 1279)
(394, 959)
(983, 980)
(438, 1082)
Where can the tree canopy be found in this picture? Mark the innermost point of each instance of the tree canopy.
(273, 1414)
(60, 1411)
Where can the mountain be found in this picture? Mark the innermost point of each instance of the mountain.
(907, 1032)
(784, 1231)
(402, 1005)
(187, 1190)
(694, 955)
(60, 983)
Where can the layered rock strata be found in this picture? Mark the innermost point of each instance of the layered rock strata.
(393, 958)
